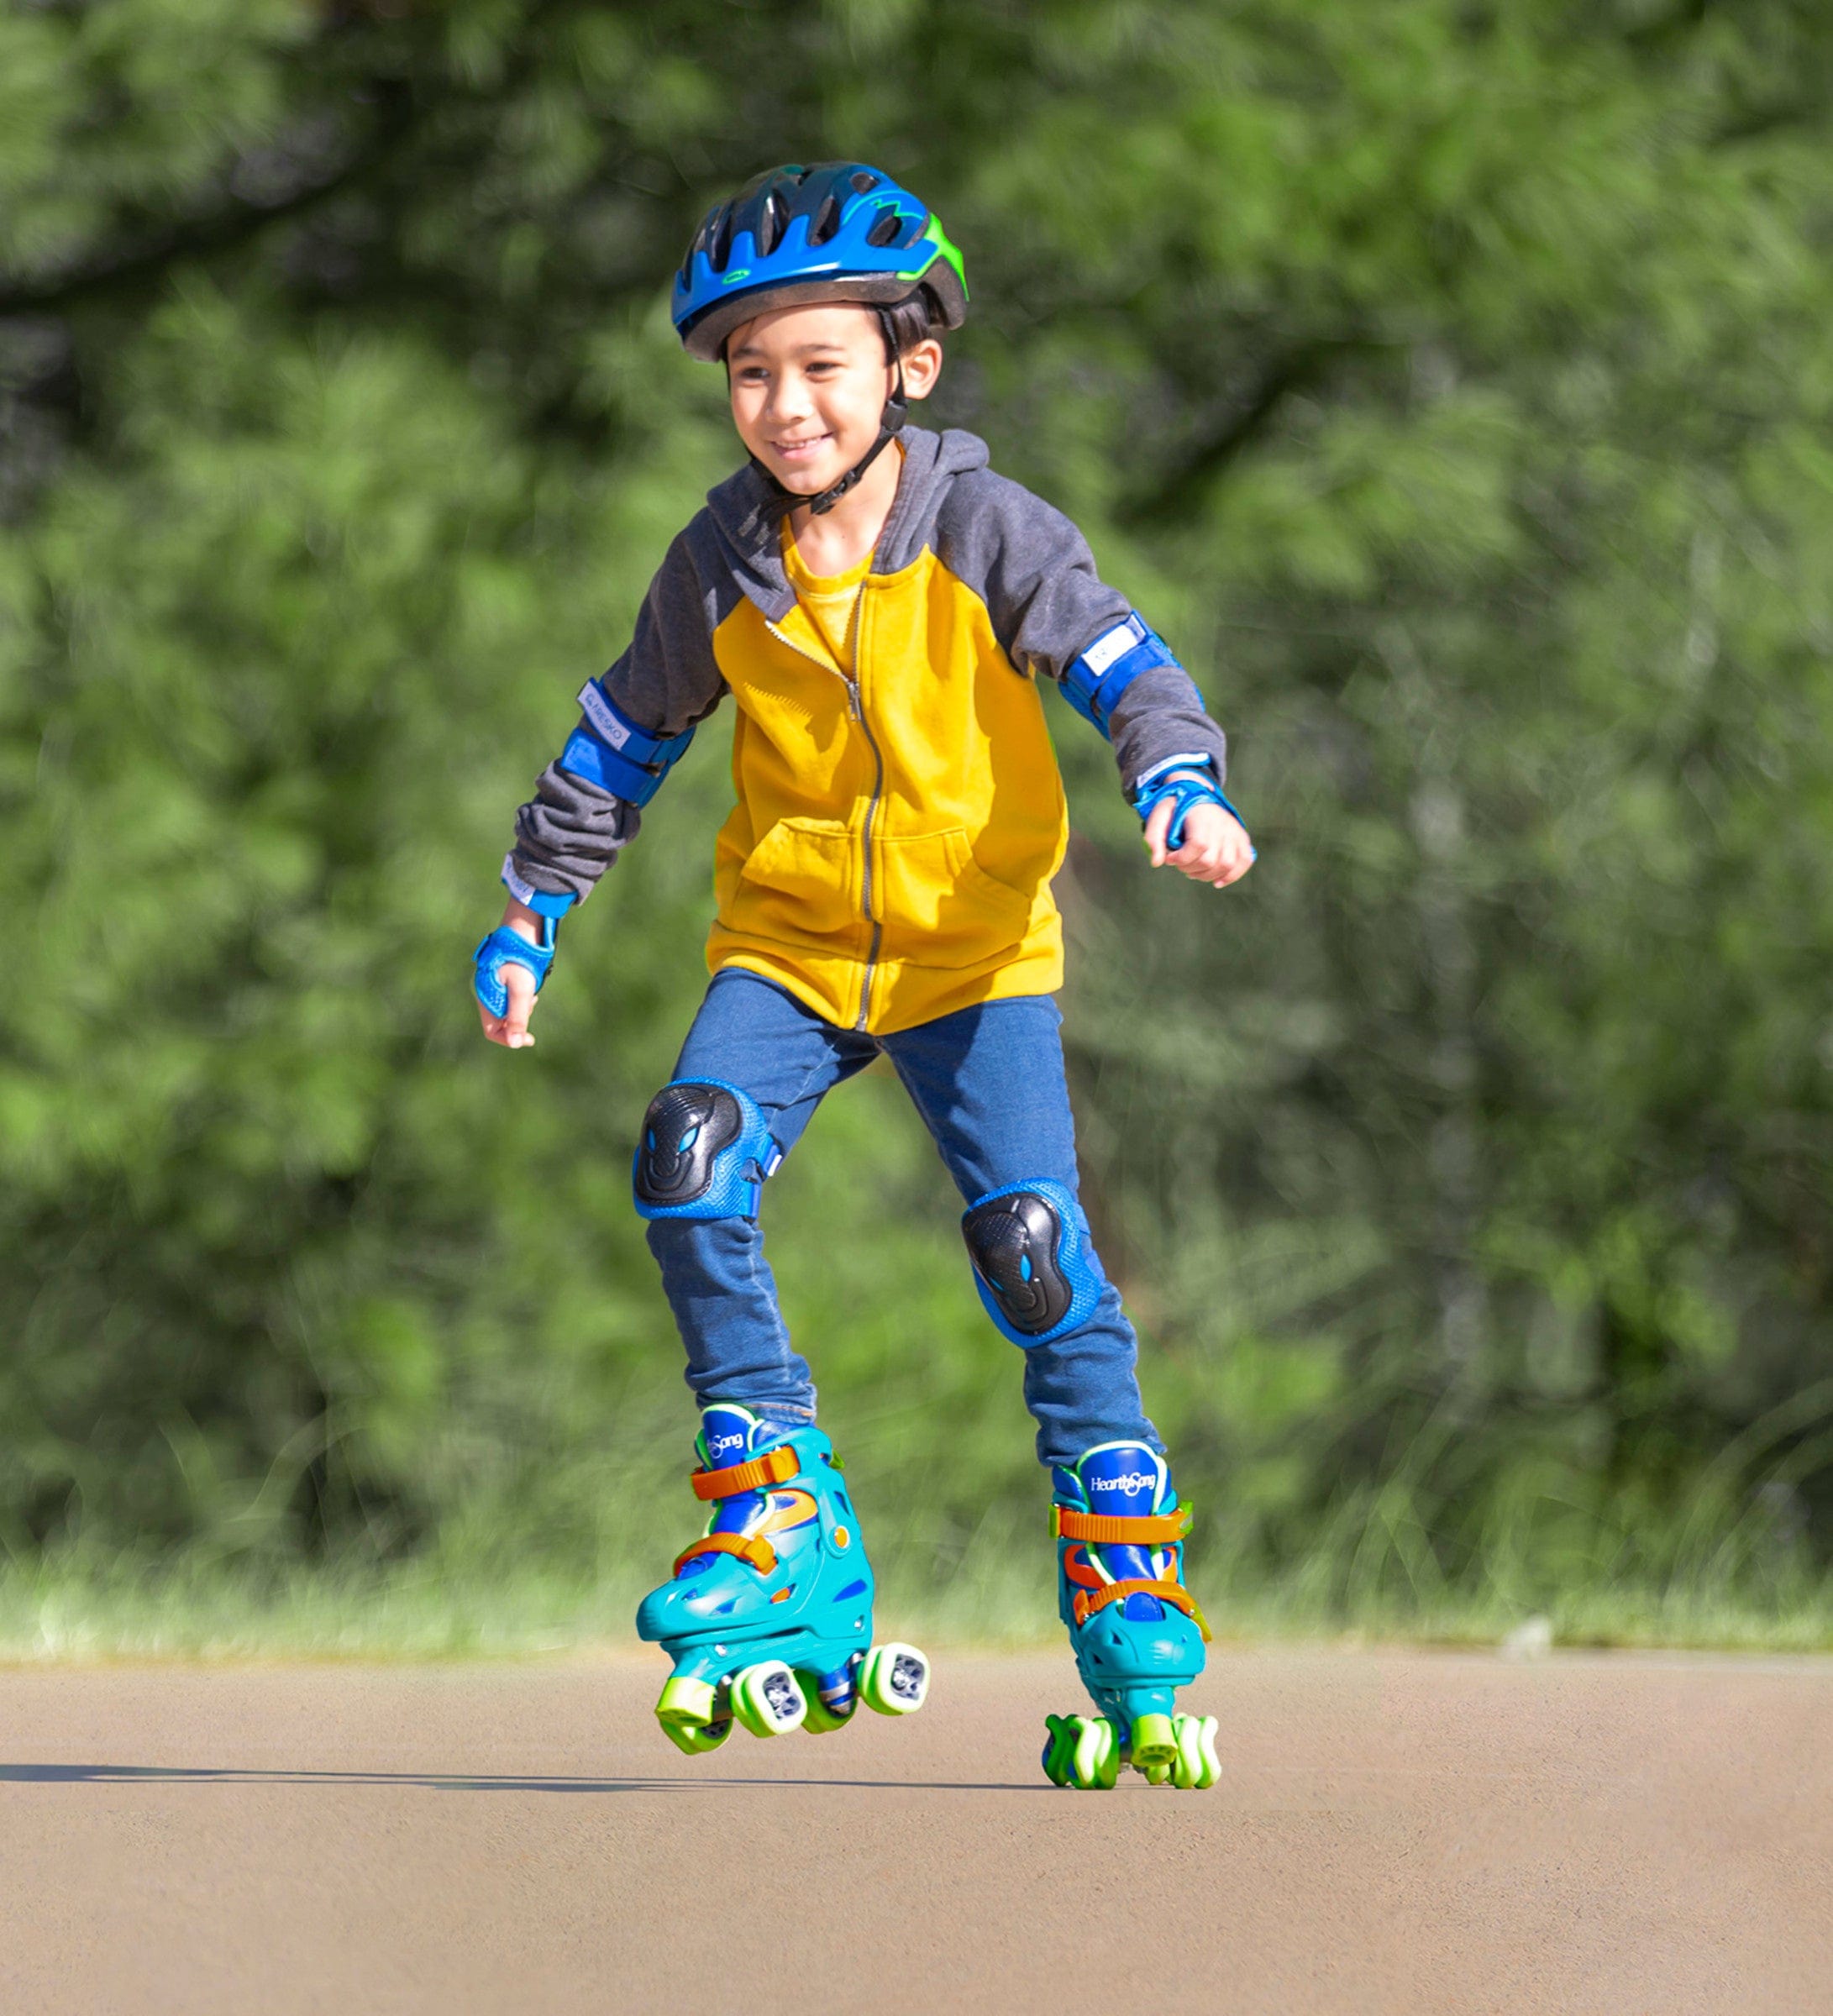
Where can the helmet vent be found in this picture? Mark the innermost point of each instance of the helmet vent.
(827, 222)
(721, 249)
(774, 223)
(862, 182)
(884, 231)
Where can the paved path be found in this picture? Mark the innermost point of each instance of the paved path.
(1419, 1833)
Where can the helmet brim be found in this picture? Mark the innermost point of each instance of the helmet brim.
(705, 337)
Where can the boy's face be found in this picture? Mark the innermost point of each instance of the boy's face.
(808, 386)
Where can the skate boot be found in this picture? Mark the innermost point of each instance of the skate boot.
(769, 1617)
(1136, 1635)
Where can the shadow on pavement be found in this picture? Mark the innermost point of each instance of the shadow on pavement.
(164, 1774)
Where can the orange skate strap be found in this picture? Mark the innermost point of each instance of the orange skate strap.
(1089, 1601)
(757, 1554)
(774, 1466)
(1152, 1530)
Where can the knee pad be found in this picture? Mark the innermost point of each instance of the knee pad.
(1033, 1262)
(705, 1153)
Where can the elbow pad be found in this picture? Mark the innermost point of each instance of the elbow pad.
(1095, 679)
(609, 749)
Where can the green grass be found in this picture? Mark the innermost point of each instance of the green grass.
(191, 1609)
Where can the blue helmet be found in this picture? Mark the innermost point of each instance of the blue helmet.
(839, 231)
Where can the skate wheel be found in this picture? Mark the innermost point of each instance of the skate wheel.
(1059, 1747)
(1082, 1752)
(767, 1700)
(895, 1679)
(1196, 1768)
(1094, 1761)
(821, 1721)
(692, 1716)
(696, 1742)
(1154, 1747)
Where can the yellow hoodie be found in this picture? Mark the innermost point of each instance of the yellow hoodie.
(899, 818)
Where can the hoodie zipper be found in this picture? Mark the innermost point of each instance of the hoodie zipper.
(856, 709)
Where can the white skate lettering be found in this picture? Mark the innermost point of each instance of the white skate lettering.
(1131, 1481)
(722, 1442)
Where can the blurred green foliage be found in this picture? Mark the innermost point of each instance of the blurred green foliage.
(1449, 381)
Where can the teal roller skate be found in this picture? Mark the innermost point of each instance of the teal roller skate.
(769, 1617)
(1136, 1635)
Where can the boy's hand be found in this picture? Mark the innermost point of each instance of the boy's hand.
(1215, 848)
(510, 1028)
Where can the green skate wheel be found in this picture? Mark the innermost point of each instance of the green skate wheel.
(1059, 1747)
(1154, 1747)
(1095, 1756)
(821, 1721)
(696, 1742)
(895, 1679)
(767, 1700)
(1196, 1768)
(693, 1717)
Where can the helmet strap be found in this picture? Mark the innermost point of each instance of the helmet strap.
(891, 423)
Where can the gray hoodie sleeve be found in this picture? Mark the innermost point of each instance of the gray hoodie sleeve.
(574, 827)
(1054, 616)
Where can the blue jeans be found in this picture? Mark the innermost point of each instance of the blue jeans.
(989, 1082)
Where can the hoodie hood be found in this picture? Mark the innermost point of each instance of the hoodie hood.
(747, 513)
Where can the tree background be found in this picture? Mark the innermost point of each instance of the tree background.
(1450, 382)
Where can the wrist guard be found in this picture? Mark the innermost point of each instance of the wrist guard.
(1185, 790)
(506, 948)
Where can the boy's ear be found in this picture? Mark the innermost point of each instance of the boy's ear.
(922, 367)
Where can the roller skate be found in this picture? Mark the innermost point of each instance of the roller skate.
(769, 1617)
(1136, 1635)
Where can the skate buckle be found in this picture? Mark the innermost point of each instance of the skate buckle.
(774, 1466)
(1087, 1601)
(1110, 1528)
(757, 1554)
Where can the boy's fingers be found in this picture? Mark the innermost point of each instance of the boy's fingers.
(1160, 819)
(519, 984)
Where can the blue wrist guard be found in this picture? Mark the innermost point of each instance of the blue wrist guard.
(1183, 790)
(506, 948)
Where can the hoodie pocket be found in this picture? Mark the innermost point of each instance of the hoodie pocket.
(941, 908)
(799, 882)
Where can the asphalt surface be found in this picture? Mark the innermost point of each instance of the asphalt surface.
(1403, 1832)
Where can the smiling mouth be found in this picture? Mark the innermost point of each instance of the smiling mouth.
(793, 451)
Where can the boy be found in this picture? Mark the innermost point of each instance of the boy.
(879, 604)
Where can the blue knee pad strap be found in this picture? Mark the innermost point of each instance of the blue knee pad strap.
(1033, 1264)
(506, 948)
(705, 1152)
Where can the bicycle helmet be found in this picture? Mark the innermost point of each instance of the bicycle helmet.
(838, 231)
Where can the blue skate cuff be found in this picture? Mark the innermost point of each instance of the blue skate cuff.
(611, 750)
(506, 948)
(705, 1152)
(1095, 679)
(1033, 1262)
(1159, 784)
